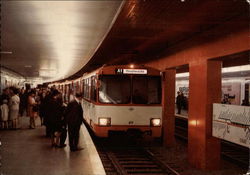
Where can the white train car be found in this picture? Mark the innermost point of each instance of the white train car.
(123, 98)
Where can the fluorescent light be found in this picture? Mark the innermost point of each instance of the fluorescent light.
(5, 52)
(182, 75)
(230, 80)
(236, 69)
(47, 73)
(224, 70)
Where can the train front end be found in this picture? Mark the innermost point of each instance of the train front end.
(126, 100)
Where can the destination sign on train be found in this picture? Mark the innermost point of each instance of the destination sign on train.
(131, 71)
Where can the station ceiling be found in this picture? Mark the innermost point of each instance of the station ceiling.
(44, 35)
(53, 39)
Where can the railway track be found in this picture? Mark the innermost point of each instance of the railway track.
(235, 153)
(123, 156)
(229, 151)
(133, 161)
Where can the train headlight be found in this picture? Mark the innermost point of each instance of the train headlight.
(104, 121)
(155, 122)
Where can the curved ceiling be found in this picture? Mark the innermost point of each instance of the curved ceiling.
(53, 39)
(44, 36)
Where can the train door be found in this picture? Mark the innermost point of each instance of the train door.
(63, 93)
(93, 97)
(67, 93)
(81, 86)
(247, 94)
(77, 86)
(86, 101)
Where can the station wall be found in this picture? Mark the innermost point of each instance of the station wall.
(234, 89)
(9, 78)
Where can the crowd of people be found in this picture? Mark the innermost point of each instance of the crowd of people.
(47, 104)
(16, 103)
(9, 105)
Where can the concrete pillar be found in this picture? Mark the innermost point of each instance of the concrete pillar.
(205, 89)
(168, 107)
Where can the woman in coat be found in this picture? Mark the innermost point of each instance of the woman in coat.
(14, 107)
(31, 105)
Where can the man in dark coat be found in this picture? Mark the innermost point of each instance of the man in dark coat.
(74, 119)
(179, 102)
(54, 116)
(45, 113)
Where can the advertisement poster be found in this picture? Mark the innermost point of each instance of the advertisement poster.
(231, 92)
(182, 86)
(232, 123)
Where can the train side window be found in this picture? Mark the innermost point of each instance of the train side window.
(93, 89)
(83, 88)
(86, 89)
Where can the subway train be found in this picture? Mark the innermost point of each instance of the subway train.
(125, 98)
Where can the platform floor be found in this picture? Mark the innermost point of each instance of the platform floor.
(29, 152)
(183, 114)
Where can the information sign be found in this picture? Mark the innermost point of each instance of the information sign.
(131, 71)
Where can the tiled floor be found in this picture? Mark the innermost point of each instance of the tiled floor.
(29, 152)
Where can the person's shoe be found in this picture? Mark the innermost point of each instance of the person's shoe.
(79, 149)
(73, 149)
(54, 145)
(62, 145)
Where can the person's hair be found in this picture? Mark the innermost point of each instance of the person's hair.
(78, 95)
(15, 90)
(32, 92)
(55, 92)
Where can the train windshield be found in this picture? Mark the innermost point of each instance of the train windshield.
(115, 89)
(146, 90)
(119, 89)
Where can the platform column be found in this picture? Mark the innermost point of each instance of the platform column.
(205, 89)
(168, 107)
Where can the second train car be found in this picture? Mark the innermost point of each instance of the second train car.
(123, 98)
